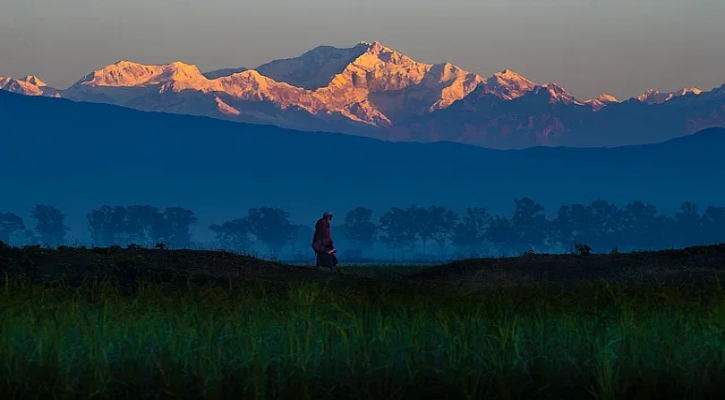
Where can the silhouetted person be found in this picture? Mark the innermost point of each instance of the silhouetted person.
(322, 243)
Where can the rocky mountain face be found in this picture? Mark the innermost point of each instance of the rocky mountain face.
(372, 90)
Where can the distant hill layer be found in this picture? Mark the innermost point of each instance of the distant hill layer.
(77, 156)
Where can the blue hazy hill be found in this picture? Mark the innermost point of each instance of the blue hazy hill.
(78, 156)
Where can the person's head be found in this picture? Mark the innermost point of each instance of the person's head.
(327, 215)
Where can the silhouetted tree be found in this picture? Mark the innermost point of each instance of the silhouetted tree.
(117, 225)
(471, 233)
(272, 227)
(606, 226)
(9, 224)
(97, 221)
(601, 225)
(440, 225)
(399, 229)
(422, 224)
(360, 229)
(562, 232)
(107, 225)
(50, 224)
(178, 222)
(146, 224)
(639, 221)
(529, 223)
(234, 235)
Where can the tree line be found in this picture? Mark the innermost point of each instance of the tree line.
(601, 225)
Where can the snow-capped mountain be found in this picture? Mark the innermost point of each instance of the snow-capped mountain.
(601, 101)
(29, 86)
(657, 97)
(372, 90)
(315, 68)
(368, 83)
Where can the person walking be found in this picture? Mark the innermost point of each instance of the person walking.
(322, 243)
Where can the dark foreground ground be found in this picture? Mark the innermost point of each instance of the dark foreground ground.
(694, 268)
(143, 323)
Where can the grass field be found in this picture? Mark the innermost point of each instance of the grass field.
(112, 323)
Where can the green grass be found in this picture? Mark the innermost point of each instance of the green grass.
(310, 340)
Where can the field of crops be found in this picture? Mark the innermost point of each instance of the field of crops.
(139, 324)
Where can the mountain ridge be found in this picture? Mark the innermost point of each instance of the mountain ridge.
(372, 90)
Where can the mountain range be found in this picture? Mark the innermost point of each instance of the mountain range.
(374, 91)
(78, 156)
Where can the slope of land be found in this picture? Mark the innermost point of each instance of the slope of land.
(693, 269)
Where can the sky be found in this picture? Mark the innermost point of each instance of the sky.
(590, 47)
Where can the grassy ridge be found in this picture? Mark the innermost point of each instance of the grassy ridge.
(315, 340)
